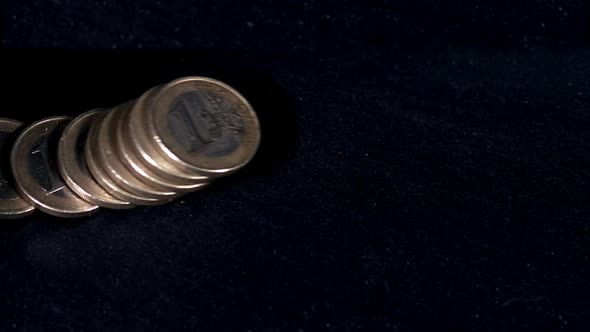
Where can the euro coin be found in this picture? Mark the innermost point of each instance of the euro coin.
(34, 165)
(12, 205)
(106, 139)
(143, 145)
(72, 163)
(204, 126)
(131, 161)
(101, 176)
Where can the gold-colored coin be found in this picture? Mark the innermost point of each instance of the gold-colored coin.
(101, 176)
(72, 164)
(142, 143)
(132, 162)
(175, 139)
(12, 205)
(203, 126)
(106, 139)
(34, 165)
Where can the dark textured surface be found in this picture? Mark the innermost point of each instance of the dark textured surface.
(424, 165)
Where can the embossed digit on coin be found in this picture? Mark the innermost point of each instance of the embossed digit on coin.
(12, 205)
(34, 165)
(204, 126)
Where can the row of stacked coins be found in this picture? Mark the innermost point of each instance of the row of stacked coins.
(175, 139)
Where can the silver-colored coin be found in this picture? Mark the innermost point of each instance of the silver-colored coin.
(121, 175)
(143, 145)
(204, 126)
(72, 164)
(34, 165)
(12, 205)
(130, 160)
(101, 176)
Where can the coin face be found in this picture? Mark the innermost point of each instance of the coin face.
(72, 163)
(100, 174)
(204, 125)
(132, 162)
(142, 143)
(34, 165)
(12, 205)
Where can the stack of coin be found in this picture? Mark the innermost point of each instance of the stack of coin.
(175, 139)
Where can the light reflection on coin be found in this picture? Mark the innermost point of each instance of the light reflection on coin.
(101, 176)
(204, 126)
(34, 165)
(131, 161)
(143, 145)
(175, 139)
(107, 155)
(12, 205)
(72, 164)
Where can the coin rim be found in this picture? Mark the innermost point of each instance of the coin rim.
(24, 209)
(81, 183)
(107, 155)
(130, 160)
(100, 175)
(144, 145)
(195, 162)
(28, 188)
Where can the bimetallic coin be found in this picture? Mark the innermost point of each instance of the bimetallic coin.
(131, 161)
(109, 159)
(204, 126)
(72, 164)
(143, 145)
(12, 205)
(101, 176)
(34, 165)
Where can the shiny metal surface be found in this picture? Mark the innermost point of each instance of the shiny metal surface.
(72, 164)
(107, 155)
(133, 163)
(142, 142)
(12, 205)
(101, 176)
(175, 139)
(204, 126)
(34, 165)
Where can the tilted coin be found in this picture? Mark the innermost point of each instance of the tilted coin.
(101, 176)
(34, 165)
(12, 205)
(129, 158)
(72, 164)
(143, 145)
(106, 139)
(204, 126)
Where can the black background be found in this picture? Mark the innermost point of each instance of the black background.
(424, 166)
